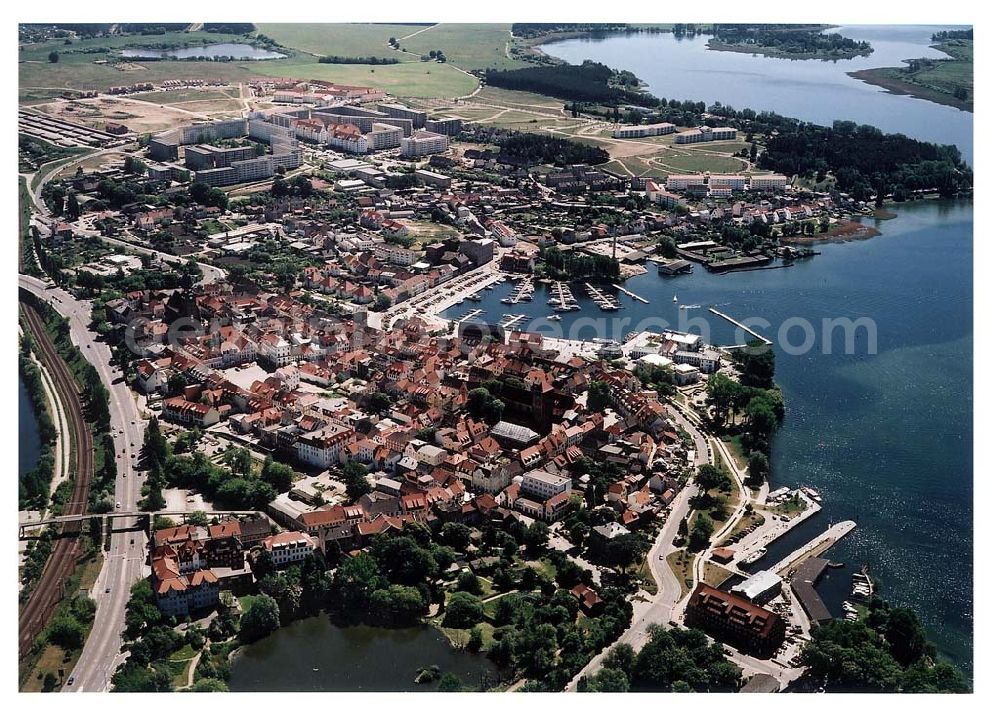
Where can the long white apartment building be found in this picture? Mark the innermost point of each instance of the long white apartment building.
(768, 183)
(644, 131)
(544, 485)
(704, 134)
(423, 142)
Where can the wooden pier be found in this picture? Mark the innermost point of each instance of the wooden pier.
(742, 326)
(631, 294)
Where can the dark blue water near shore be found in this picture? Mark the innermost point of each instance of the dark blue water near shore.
(28, 443)
(886, 437)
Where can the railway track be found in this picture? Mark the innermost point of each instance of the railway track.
(48, 591)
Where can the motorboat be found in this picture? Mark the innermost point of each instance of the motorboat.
(553, 317)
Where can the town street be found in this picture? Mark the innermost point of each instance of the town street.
(125, 561)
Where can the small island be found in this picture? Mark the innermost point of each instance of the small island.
(945, 81)
(787, 42)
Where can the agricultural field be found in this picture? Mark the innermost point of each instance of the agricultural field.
(416, 79)
(348, 40)
(470, 46)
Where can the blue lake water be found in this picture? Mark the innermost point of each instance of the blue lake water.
(29, 443)
(886, 437)
(812, 90)
(208, 51)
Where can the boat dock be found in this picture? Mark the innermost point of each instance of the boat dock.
(772, 529)
(524, 292)
(630, 294)
(816, 547)
(511, 321)
(742, 326)
(562, 300)
(469, 315)
(603, 300)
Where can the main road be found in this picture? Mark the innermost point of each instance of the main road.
(662, 607)
(125, 561)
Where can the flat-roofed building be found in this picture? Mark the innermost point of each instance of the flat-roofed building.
(544, 485)
(433, 178)
(423, 142)
(760, 588)
(446, 125)
(398, 110)
(644, 131)
(768, 183)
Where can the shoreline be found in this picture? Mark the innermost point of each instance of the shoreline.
(842, 233)
(887, 78)
(719, 46)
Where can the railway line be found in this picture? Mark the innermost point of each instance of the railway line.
(48, 591)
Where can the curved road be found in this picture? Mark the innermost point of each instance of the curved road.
(663, 606)
(125, 561)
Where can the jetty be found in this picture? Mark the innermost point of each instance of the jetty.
(524, 292)
(742, 326)
(630, 294)
(603, 300)
(471, 314)
(563, 300)
(511, 321)
(815, 547)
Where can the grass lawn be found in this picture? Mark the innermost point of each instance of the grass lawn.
(89, 572)
(185, 653)
(682, 566)
(341, 39)
(417, 79)
(646, 580)
(545, 569)
(491, 94)
(468, 45)
(716, 575)
(458, 637)
(244, 602)
(179, 670)
(675, 161)
(52, 660)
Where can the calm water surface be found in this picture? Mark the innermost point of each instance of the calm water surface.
(886, 438)
(315, 655)
(209, 51)
(812, 90)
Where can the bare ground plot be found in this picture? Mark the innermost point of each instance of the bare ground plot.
(139, 116)
(186, 95)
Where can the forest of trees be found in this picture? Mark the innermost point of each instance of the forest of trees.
(865, 160)
(951, 34)
(567, 265)
(357, 60)
(588, 81)
(527, 149)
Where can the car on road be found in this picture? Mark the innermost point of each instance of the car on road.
(72, 680)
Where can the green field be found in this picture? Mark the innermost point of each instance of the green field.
(341, 39)
(417, 79)
(938, 82)
(470, 46)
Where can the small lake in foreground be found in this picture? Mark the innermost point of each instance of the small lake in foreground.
(351, 659)
(208, 51)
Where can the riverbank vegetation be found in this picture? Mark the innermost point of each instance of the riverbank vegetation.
(945, 81)
(569, 265)
(886, 651)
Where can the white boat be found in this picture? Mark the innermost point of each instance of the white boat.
(675, 298)
(553, 317)
(507, 301)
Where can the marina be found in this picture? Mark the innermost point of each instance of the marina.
(817, 546)
(630, 294)
(604, 301)
(562, 299)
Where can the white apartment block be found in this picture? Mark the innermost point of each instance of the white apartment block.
(768, 183)
(705, 134)
(544, 485)
(644, 131)
(290, 547)
(422, 142)
(684, 182)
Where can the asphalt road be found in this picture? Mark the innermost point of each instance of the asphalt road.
(125, 561)
(665, 605)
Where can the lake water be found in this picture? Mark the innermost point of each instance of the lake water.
(28, 444)
(351, 659)
(886, 438)
(208, 51)
(812, 90)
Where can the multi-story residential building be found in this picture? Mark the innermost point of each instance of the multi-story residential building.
(321, 448)
(290, 547)
(644, 131)
(179, 593)
(180, 410)
(446, 125)
(383, 136)
(685, 182)
(254, 170)
(704, 134)
(396, 110)
(423, 142)
(735, 620)
(768, 183)
(276, 349)
(544, 485)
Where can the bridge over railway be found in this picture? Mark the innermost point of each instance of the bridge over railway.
(139, 515)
